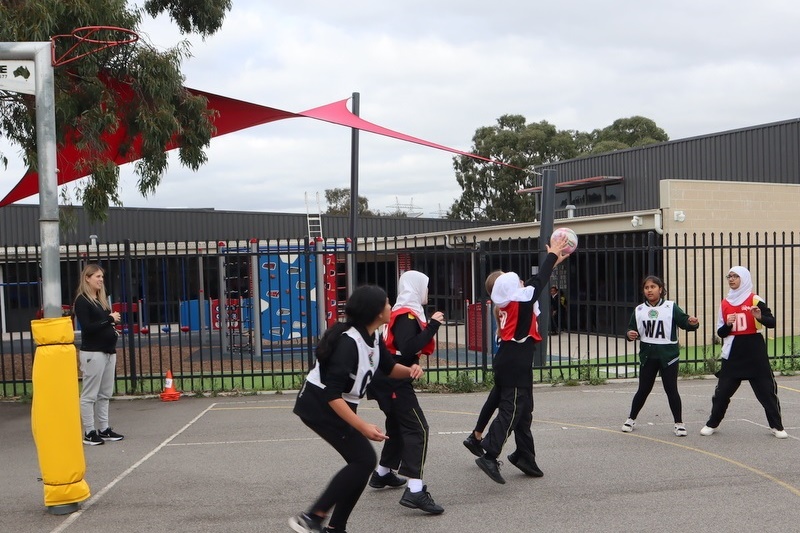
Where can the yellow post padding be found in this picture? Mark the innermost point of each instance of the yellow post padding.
(55, 414)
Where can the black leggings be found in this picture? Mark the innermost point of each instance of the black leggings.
(647, 378)
(346, 486)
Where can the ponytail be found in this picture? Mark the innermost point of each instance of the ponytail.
(362, 308)
(330, 339)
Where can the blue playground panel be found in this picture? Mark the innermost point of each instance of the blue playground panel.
(286, 280)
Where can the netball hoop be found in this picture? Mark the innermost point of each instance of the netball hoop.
(90, 40)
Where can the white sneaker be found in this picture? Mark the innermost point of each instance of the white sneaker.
(680, 430)
(779, 433)
(706, 431)
(627, 427)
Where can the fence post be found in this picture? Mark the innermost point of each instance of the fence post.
(129, 308)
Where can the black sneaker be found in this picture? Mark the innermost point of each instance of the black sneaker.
(421, 500)
(473, 445)
(92, 438)
(305, 523)
(377, 481)
(108, 434)
(526, 464)
(491, 467)
(329, 530)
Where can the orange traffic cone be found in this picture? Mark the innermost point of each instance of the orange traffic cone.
(170, 394)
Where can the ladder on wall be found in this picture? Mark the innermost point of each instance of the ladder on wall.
(314, 222)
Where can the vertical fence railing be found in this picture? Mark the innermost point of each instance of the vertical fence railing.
(175, 322)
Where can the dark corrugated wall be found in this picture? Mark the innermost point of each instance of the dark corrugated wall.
(769, 153)
(19, 225)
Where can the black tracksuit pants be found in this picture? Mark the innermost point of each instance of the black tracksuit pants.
(765, 389)
(515, 413)
(407, 429)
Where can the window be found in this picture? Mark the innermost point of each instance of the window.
(588, 192)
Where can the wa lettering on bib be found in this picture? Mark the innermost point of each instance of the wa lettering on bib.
(655, 323)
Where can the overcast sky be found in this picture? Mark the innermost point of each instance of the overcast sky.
(440, 70)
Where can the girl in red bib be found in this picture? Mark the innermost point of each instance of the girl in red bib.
(744, 353)
(409, 335)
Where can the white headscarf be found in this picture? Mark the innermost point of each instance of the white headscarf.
(412, 292)
(507, 289)
(738, 296)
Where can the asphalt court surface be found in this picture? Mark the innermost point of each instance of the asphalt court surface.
(245, 464)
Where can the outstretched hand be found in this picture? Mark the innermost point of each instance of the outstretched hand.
(558, 248)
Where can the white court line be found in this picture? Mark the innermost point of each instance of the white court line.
(74, 516)
(258, 441)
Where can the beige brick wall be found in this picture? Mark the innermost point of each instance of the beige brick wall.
(729, 206)
(723, 214)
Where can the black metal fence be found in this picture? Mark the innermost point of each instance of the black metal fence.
(245, 315)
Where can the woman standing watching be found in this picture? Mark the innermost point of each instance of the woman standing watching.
(98, 354)
(348, 355)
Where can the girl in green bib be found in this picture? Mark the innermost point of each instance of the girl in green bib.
(655, 324)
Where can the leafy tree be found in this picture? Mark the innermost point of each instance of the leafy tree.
(489, 191)
(88, 105)
(338, 200)
(631, 132)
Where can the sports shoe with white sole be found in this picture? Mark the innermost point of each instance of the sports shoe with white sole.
(627, 427)
(706, 431)
(680, 430)
(779, 433)
(305, 523)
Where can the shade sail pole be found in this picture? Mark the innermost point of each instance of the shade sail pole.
(351, 258)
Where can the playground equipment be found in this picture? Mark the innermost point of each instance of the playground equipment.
(271, 294)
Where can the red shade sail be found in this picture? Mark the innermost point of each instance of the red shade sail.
(232, 115)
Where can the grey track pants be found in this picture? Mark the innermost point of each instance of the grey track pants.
(98, 371)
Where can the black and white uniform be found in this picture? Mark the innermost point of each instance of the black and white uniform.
(344, 374)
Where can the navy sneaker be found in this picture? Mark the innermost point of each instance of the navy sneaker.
(491, 467)
(526, 464)
(377, 481)
(421, 500)
(305, 523)
(473, 445)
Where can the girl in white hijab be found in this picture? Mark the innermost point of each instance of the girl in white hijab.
(409, 335)
(744, 352)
